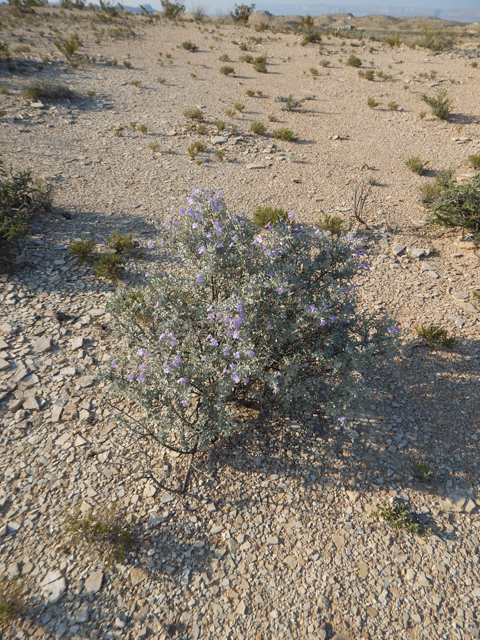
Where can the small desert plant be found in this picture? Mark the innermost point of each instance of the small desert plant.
(12, 601)
(393, 106)
(82, 248)
(220, 124)
(284, 134)
(224, 57)
(243, 46)
(172, 10)
(474, 160)
(398, 517)
(247, 58)
(231, 113)
(258, 128)
(143, 129)
(415, 164)
(435, 335)
(189, 46)
(136, 83)
(105, 531)
(451, 204)
(226, 70)
(108, 266)
(372, 103)
(259, 93)
(200, 360)
(324, 63)
(332, 224)
(154, 146)
(314, 72)
(272, 117)
(369, 74)
(440, 104)
(195, 148)
(474, 64)
(424, 471)
(239, 106)
(161, 80)
(38, 89)
(311, 36)
(220, 154)
(202, 129)
(250, 93)
(393, 41)
(353, 61)
(112, 62)
(422, 114)
(69, 47)
(90, 93)
(259, 65)
(127, 64)
(121, 243)
(268, 215)
(242, 12)
(195, 113)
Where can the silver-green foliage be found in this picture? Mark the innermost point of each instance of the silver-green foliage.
(239, 316)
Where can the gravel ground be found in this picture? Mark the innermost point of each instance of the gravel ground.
(275, 537)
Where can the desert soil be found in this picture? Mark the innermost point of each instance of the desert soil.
(275, 538)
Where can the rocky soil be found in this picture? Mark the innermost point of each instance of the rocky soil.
(275, 537)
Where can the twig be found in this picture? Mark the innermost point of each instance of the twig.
(360, 195)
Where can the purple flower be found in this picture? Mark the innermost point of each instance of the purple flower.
(220, 245)
(226, 352)
(332, 318)
(147, 275)
(194, 225)
(276, 390)
(250, 353)
(393, 329)
(312, 308)
(114, 365)
(279, 290)
(203, 358)
(130, 377)
(201, 250)
(342, 419)
(323, 322)
(181, 381)
(235, 378)
(185, 403)
(208, 235)
(174, 342)
(278, 374)
(199, 278)
(143, 367)
(245, 381)
(150, 245)
(141, 377)
(166, 370)
(237, 355)
(239, 306)
(214, 342)
(291, 215)
(140, 352)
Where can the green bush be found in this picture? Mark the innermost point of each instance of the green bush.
(108, 266)
(265, 215)
(268, 320)
(82, 248)
(194, 114)
(195, 148)
(440, 104)
(332, 224)
(353, 61)
(38, 89)
(258, 128)
(454, 205)
(121, 243)
(415, 164)
(242, 12)
(226, 70)
(372, 103)
(474, 160)
(189, 46)
(69, 47)
(172, 10)
(311, 36)
(284, 134)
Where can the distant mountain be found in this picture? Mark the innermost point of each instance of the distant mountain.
(359, 10)
(148, 7)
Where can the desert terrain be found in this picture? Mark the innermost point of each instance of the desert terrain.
(275, 537)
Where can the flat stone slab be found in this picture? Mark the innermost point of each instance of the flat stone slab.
(255, 166)
(93, 583)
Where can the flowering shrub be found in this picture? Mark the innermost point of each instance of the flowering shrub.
(241, 316)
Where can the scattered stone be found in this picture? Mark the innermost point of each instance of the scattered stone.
(77, 343)
(42, 344)
(166, 498)
(255, 166)
(53, 586)
(6, 327)
(137, 575)
(219, 140)
(416, 252)
(398, 249)
(93, 583)
(272, 540)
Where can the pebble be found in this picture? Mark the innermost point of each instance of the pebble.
(94, 582)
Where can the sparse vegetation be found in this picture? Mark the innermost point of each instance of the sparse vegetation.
(398, 517)
(69, 47)
(264, 215)
(435, 335)
(242, 12)
(474, 161)
(372, 103)
(353, 61)
(220, 124)
(424, 471)
(272, 117)
(189, 46)
(415, 164)
(333, 224)
(194, 114)
(226, 70)
(250, 93)
(104, 530)
(108, 266)
(239, 107)
(172, 10)
(121, 243)
(83, 247)
(393, 106)
(40, 89)
(258, 128)
(154, 146)
(143, 129)
(440, 104)
(195, 148)
(284, 134)
(12, 601)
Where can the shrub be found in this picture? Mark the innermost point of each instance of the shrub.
(105, 531)
(434, 335)
(333, 224)
(440, 104)
(259, 64)
(268, 215)
(231, 113)
(226, 70)
(108, 266)
(12, 602)
(82, 248)
(324, 63)
(112, 62)
(284, 134)
(222, 330)
(393, 106)
(398, 517)
(143, 129)
(220, 124)
(121, 243)
(258, 128)
(239, 107)
(69, 47)
(161, 80)
(432, 190)
(372, 103)
(38, 89)
(242, 13)
(474, 160)
(436, 40)
(20, 198)
(189, 46)
(172, 10)
(272, 117)
(154, 146)
(247, 58)
(250, 93)
(313, 71)
(224, 57)
(195, 148)
(312, 36)
(454, 205)
(136, 83)
(370, 74)
(353, 61)
(195, 113)
(415, 164)
(393, 41)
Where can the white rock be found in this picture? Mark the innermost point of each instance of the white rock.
(272, 540)
(4, 364)
(255, 166)
(77, 343)
(93, 583)
(219, 140)
(42, 344)
(149, 491)
(56, 413)
(6, 327)
(166, 497)
(53, 591)
(398, 249)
